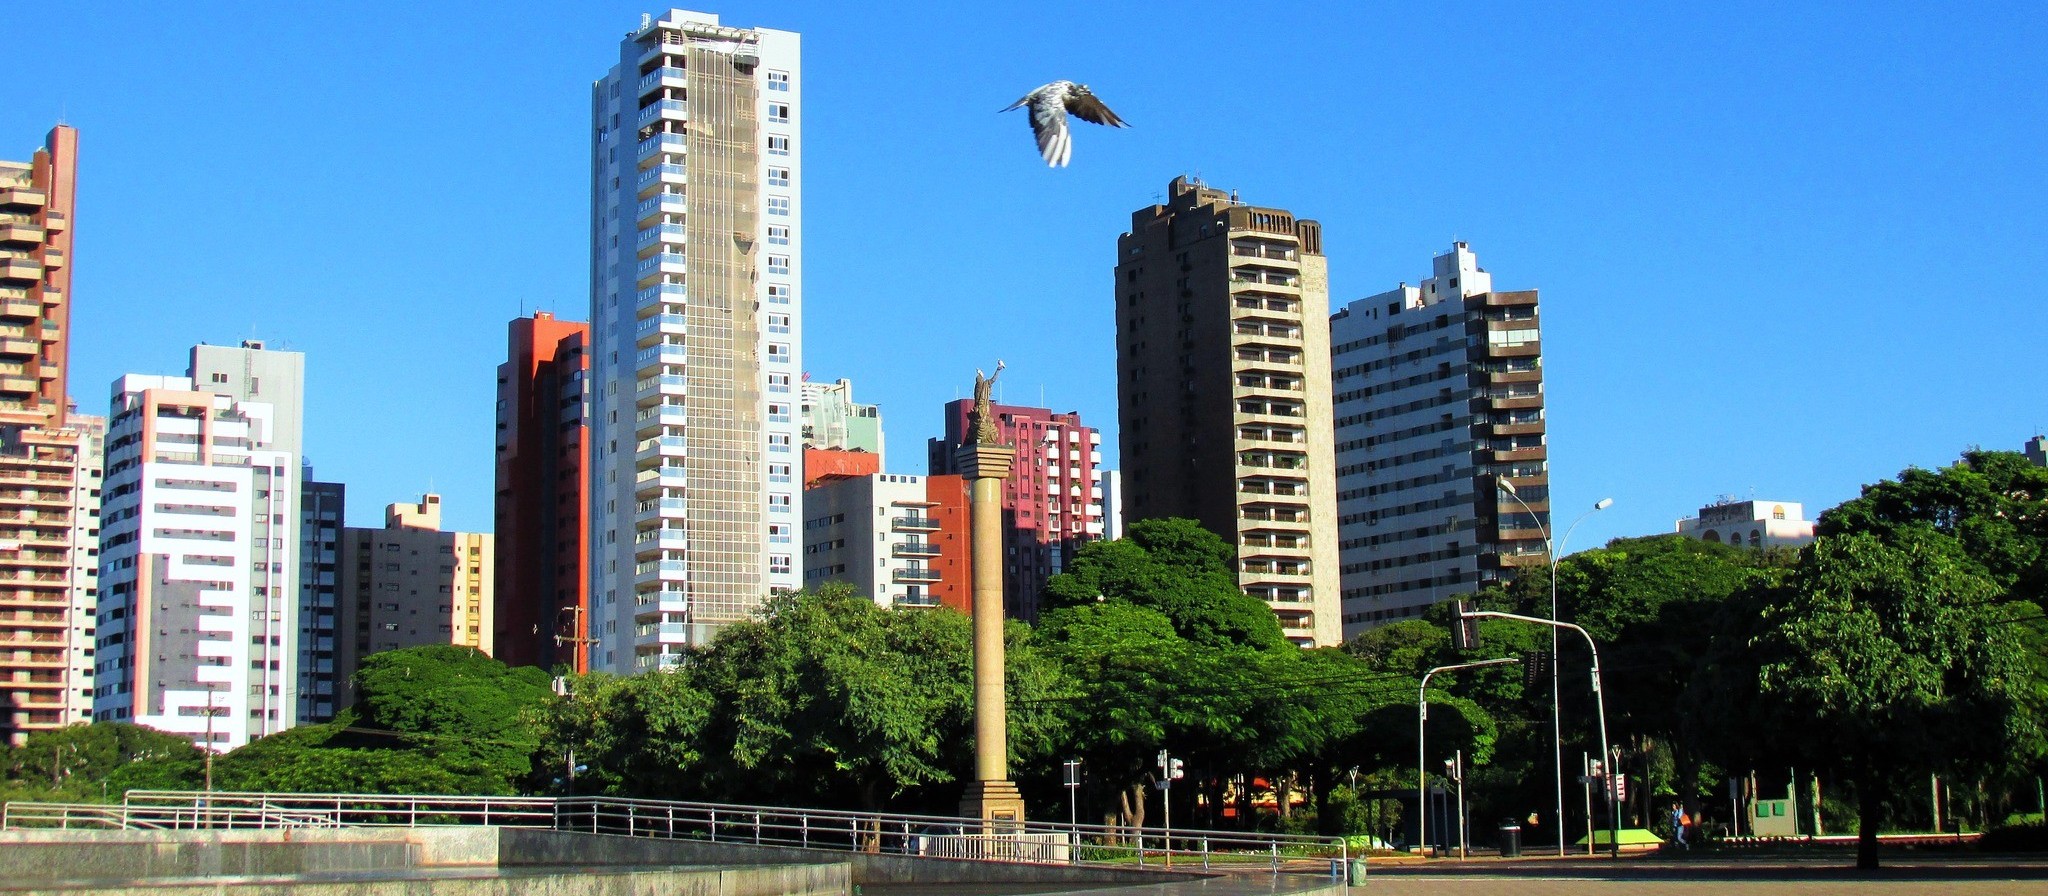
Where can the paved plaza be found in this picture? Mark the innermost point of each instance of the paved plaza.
(1827, 874)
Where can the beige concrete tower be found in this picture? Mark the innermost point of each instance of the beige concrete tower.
(992, 797)
(1223, 392)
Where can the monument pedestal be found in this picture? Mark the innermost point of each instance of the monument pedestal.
(997, 803)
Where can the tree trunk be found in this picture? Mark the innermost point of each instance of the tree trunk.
(1868, 805)
(1283, 788)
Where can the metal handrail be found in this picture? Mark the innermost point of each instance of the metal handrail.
(832, 829)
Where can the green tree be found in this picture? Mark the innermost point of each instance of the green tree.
(1178, 568)
(1887, 658)
(828, 699)
(75, 761)
(638, 736)
(467, 712)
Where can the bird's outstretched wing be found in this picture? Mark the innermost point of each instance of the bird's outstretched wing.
(1087, 107)
(1049, 125)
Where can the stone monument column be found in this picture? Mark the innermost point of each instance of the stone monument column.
(993, 797)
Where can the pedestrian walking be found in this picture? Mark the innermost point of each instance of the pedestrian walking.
(1679, 822)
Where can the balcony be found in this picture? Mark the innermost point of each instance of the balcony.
(665, 233)
(21, 267)
(662, 174)
(663, 384)
(661, 144)
(914, 575)
(651, 329)
(27, 196)
(666, 292)
(665, 76)
(664, 354)
(657, 508)
(53, 258)
(674, 203)
(914, 524)
(27, 232)
(676, 110)
(666, 539)
(650, 602)
(658, 570)
(915, 549)
(660, 633)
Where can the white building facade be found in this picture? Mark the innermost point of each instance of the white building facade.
(198, 565)
(696, 303)
(1752, 524)
(1438, 395)
(877, 533)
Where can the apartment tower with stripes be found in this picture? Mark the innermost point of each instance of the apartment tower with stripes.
(696, 302)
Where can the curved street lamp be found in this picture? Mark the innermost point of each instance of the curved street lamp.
(1556, 732)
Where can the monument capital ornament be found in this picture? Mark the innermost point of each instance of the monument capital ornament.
(983, 418)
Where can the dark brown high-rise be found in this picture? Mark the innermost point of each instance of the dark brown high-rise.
(1223, 391)
(542, 570)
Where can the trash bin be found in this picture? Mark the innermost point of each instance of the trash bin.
(1356, 875)
(1510, 838)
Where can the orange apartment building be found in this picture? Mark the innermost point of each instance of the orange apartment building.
(542, 569)
(49, 456)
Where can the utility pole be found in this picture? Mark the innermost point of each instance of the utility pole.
(1072, 769)
(1457, 770)
(579, 660)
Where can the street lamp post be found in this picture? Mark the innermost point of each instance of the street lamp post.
(1556, 732)
(1600, 705)
(1422, 740)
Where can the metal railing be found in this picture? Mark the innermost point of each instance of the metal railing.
(935, 836)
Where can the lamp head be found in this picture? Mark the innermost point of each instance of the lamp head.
(1603, 504)
(1504, 485)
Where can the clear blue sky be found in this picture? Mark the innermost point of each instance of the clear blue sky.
(1781, 250)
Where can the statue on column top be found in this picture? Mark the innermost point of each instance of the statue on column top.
(983, 419)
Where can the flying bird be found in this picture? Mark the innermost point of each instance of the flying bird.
(1049, 106)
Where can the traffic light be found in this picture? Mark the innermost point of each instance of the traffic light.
(1174, 771)
(1465, 630)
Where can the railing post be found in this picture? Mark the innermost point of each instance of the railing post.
(671, 821)
(807, 830)
(1274, 847)
(757, 829)
(1205, 853)
(714, 825)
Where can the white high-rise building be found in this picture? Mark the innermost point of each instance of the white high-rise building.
(199, 569)
(696, 299)
(1438, 394)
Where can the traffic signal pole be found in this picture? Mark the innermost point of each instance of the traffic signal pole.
(1465, 613)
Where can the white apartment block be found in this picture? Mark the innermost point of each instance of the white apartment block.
(198, 573)
(696, 303)
(877, 533)
(1438, 394)
(1752, 523)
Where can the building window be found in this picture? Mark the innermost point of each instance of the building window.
(778, 323)
(778, 473)
(778, 205)
(778, 235)
(778, 413)
(778, 146)
(778, 503)
(778, 563)
(778, 442)
(778, 382)
(778, 264)
(778, 113)
(778, 177)
(778, 294)
(778, 81)
(778, 351)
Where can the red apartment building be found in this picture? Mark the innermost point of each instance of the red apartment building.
(542, 574)
(1050, 505)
